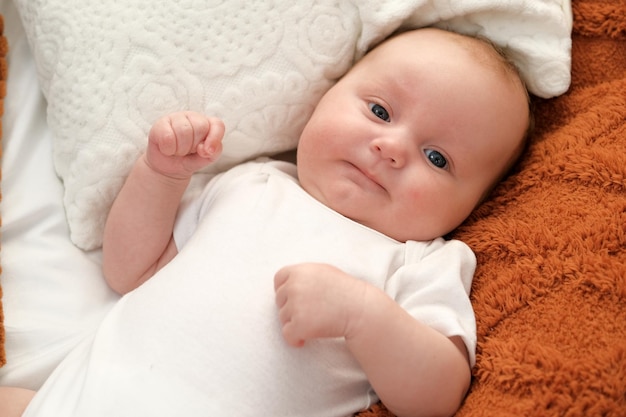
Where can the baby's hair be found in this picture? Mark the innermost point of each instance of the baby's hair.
(497, 58)
(506, 64)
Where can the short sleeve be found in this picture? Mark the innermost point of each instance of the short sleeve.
(434, 286)
(188, 215)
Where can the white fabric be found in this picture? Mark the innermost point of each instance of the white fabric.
(109, 69)
(53, 293)
(202, 337)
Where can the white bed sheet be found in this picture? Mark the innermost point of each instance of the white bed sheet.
(54, 294)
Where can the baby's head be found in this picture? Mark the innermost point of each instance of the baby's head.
(411, 139)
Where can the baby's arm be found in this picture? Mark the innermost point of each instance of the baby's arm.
(13, 401)
(415, 370)
(138, 233)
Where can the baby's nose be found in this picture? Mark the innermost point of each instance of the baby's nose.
(392, 150)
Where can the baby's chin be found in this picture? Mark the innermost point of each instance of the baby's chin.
(401, 233)
(417, 232)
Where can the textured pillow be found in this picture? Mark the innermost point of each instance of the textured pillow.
(109, 69)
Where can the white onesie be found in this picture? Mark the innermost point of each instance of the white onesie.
(202, 337)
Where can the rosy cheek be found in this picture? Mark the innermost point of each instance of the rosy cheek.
(410, 206)
(413, 195)
(423, 197)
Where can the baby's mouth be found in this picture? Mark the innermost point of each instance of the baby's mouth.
(368, 177)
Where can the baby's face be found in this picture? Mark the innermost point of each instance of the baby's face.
(408, 142)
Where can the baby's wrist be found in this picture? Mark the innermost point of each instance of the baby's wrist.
(163, 176)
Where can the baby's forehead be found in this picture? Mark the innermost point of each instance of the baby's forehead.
(413, 43)
(478, 50)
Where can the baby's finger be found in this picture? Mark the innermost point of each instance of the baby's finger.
(162, 135)
(290, 334)
(211, 143)
(281, 297)
(280, 278)
(284, 314)
(184, 132)
(208, 151)
(201, 126)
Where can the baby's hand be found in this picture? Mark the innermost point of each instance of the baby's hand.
(317, 300)
(183, 143)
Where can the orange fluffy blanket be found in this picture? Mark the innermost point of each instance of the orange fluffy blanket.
(550, 289)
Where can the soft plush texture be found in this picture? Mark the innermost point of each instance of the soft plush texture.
(550, 288)
(4, 48)
(109, 69)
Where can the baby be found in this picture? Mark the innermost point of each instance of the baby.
(309, 289)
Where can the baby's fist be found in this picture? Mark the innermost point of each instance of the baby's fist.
(182, 143)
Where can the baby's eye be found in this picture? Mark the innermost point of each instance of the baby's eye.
(436, 158)
(379, 111)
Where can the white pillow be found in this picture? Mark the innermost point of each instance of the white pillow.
(109, 69)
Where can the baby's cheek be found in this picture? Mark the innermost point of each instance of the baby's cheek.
(413, 199)
(425, 215)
